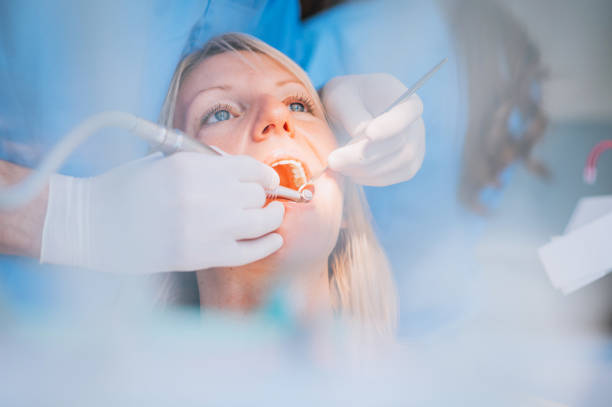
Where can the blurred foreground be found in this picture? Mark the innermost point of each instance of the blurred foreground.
(522, 344)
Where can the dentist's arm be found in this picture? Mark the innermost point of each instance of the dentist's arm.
(185, 212)
(392, 146)
(21, 229)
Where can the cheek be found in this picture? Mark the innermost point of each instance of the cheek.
(229, 137)
(319, 138)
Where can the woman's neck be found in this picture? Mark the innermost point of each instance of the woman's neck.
(244, 289)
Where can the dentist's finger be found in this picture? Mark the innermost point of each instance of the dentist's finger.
(345, 107)
(396, 120)
(251, 195)
(388, 146)
(347, 156)
(249, 251)
(248, 169)
(390, 170)
(258, 222)
(401, 164)
(366, 152)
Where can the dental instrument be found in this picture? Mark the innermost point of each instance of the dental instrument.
(409, 92)
(166, 140)
(416, 86)
(174, 141)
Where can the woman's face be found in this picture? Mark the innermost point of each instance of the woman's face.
(246, 103)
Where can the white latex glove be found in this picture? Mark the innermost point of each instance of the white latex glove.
(393, 146)
(185, 212)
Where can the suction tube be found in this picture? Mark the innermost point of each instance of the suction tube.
(16, 195)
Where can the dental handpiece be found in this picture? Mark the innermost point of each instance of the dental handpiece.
(174, 141)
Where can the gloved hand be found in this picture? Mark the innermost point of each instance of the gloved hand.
(386, 149)
(185, 212)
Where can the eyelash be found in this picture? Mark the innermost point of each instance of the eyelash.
(215, 109)
(299, 97)
(302, 98)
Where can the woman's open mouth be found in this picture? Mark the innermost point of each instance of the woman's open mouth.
(292, 172)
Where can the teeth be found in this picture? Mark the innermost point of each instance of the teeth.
(297, 171)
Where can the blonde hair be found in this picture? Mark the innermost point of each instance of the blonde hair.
(360, 277)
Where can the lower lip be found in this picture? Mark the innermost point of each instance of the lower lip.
(292, 204)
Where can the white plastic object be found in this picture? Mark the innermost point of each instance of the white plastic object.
(584, 253)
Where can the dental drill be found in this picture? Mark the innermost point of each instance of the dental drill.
(166, 140)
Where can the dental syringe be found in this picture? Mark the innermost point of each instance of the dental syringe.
(173, 141)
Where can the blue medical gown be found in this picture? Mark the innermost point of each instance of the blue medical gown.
(66, 60)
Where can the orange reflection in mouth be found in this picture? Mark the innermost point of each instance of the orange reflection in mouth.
(295, 175)
(292, 173)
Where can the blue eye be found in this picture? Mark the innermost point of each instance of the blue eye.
(297, 107)
(218, 113)
(222, 115)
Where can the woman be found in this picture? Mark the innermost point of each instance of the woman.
(245, 97)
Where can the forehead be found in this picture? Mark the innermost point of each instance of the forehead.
(232, 67)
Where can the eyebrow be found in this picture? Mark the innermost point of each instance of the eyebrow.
(286, 81)
(229, 87)
(200, 93)
(218, 87)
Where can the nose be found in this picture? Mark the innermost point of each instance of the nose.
(273, 118)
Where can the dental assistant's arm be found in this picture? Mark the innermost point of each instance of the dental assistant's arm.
(21, 228)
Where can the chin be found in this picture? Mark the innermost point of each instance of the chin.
(310, 230)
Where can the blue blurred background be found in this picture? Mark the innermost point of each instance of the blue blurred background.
(479, 320)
